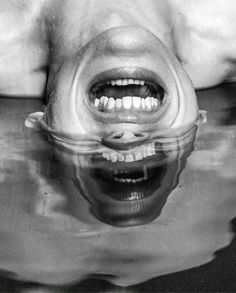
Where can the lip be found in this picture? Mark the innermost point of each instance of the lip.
(128, 116)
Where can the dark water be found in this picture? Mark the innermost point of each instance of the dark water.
(157, 218)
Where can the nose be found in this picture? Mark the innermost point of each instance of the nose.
(125, 140)
(128, 40)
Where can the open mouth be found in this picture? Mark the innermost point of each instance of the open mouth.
(127, 94)
(126, 196)
(136, 182)
(125, 181)
(126, 177)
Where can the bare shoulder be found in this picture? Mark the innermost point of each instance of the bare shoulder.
(206, 39)
(18, 17)
(211, 18)
(21, 47)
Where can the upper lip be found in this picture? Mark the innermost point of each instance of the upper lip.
(127, 73)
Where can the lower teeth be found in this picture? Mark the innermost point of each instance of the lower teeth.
(126, 103)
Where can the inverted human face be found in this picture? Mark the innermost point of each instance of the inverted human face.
(121, 79)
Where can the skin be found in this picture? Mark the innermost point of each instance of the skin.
(61, 46)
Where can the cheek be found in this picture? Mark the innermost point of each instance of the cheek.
(66, 111)
(61, 105)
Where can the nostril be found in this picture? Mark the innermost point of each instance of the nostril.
(139, 134)
(118, 136)
(125, 140)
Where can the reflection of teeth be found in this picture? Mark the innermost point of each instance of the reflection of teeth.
(136, 195)
(136, 155)
(124, 82)
(150, 149)
(145, 152)
(121, 157)
(110, 104)
(113, 157)
(129, 158)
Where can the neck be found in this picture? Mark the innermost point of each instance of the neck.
(88, 20)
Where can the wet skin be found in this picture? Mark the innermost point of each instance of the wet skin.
(76, 50)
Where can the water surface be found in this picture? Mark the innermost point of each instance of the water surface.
(163, 222)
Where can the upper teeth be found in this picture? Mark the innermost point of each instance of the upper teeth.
(135, 155)
(124, 82)
(126, 103)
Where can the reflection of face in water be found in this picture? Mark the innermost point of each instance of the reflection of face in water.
(130, 187)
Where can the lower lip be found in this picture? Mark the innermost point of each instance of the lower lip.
(126, 116)
(129, 116)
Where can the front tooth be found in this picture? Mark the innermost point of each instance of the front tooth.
(137, 102)
(111, 104)
(113, 82)
(129, 158)
(119, 82)
(144, 152)
(113, 157)
(121, 157)
(136, 82)
(108, 156)
(148, 103)
(104, 102)
(142, 82)
(127, 102)
(118, 103)
(96, 103)
(138, 156)
(130, 81)
(125, 82)
(150, 150)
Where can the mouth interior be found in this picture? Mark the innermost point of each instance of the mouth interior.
(130, 177)
(126, 94)
(133, 184)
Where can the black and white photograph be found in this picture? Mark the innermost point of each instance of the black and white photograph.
(117, 146)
